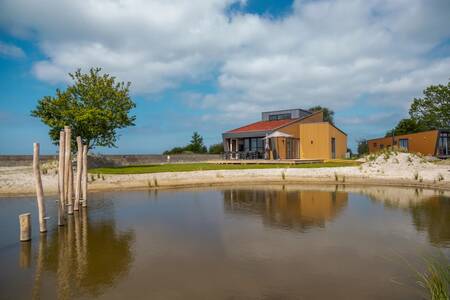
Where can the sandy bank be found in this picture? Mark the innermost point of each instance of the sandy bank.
(19, 180)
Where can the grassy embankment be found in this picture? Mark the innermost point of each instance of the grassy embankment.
(211, 166)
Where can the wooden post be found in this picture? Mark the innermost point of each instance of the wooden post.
(25, 227)
(67, 166)
(39, 190)
(61, 208)
(70, 191)
(78, 175)
(85, 175)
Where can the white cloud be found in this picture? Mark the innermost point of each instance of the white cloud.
(9, 50)
(324, 52)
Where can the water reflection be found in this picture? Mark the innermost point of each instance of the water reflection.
(85, 257)
(433, 217)
(299, 210)
(429, 209)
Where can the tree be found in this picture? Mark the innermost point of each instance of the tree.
(95, 106)
(406, 126)
(196, 144)
(328, 114)
(363, 147)
(216, 148)
(433, 110)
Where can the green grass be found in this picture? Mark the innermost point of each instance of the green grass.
(436, 278)
(210, 166)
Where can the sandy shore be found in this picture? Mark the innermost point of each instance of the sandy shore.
(19, 180)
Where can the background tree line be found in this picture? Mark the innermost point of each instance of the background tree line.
(196, 146)
(430, 112)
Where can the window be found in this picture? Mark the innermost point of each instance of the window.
(381, 146)
(279, 117)
(403, 144)
(375, 145)
(444, 144)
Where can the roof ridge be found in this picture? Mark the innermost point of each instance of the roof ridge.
(262, 121)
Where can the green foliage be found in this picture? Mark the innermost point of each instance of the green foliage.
(175, 150)
(328, 114)
(436, 278)
(363, 147)
(95, 106)
(216, 148)
(406, 126)
(433, 110)
(427, 113)
(196, 146)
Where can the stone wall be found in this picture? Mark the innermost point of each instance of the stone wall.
(112, 160)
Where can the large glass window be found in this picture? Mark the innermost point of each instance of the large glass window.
(279, 117)
(403, 144)
(444, 144)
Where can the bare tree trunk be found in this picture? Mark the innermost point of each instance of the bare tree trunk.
(78, 175)
(39, 190)
(61, 208)
(85, 175)
(67, 167)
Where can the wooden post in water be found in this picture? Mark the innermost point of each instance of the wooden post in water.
(61, 208)
(39, 190)
(78, 175)
(70, 191)
(85, 175)
(67, 168)
(25, 227)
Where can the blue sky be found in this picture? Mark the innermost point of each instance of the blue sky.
(213, 65)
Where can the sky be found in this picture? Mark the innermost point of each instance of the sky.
(214, 65)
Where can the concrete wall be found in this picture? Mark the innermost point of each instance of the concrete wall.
(112, 160)
(421, 142)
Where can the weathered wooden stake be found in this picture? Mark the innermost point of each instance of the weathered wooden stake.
(70, 191)
(25, 227)
(78, 175)
(85, 174)
(39, 190)
(61, 208)
(67, 166)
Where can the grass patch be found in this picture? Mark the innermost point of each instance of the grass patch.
(436, 278)
(210, 166)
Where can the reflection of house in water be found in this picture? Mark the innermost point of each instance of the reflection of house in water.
(292, 209)
(429, 209)
(433, 216)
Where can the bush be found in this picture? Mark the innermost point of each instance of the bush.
(216, 148)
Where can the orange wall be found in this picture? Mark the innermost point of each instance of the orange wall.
(315, 141)
(421, 142)
(314, 129)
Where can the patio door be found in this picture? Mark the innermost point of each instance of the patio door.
(444, 144)
(292, 149)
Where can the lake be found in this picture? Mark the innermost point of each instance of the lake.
(255, 242)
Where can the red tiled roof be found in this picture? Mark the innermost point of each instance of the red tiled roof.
(262, 126)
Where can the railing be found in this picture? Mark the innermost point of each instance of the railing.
(242, 155)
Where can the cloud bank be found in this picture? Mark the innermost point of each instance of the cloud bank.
(339, 54)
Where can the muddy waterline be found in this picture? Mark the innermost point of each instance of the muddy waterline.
(280, 242)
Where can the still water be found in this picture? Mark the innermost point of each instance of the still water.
(271, 242)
